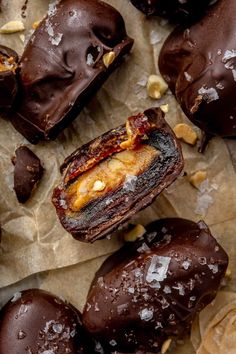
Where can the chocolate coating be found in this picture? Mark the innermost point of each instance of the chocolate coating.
(151, 290)
(175, 10)
(35, 321)
(199, 65)
(62, 66)
(28, 172)
(8, 77)
(144, 171)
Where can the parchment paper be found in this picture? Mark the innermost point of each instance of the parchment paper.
(33, 240)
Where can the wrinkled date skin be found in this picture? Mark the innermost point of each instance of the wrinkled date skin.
(110, 179)
(199, 65)
(62, 66)
(175, 10)
(151, 289)
(8, 77)
(36, 321)
(28, 171)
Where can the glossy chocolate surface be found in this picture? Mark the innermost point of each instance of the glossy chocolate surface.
(151, 289)
(62, 66)
(28, 171)
(175, 10)
(37, 322)
(149, 159)
(199, 64)
(8, 77)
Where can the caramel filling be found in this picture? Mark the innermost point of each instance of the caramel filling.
(6, 64)
(121, 169)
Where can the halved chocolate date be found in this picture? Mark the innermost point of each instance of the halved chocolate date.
(8, 77)
(152, 289)
(199, 64)
(175, 10)
(69, 56)
(28, 172)
(116, 175)
(36, 321)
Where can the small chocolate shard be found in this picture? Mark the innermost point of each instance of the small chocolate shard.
(152, 289)
(28, 172)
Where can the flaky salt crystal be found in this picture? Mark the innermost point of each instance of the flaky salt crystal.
(208, 94)
(158, 268)
(130, 183)
(146, 314)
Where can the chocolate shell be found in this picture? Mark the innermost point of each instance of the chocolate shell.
(111, 178)
(28, 172)
(175, 10)
(199, 64)
(152, 289)
(8, 77)
(63, 65)
(35, 321)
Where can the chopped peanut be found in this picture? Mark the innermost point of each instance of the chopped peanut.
(197, 178)
(164, 108)
(35, 24)
(156, 86)
(99, 186)
(137, 232)
(228, 273)
(166, 346)
(22, 38)
(186, 133)
(12, 27)
(108, 58)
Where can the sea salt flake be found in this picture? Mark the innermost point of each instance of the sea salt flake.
(113, 343)
(131, 290)
(57, 327)
(47, 352)
(180, 288)
(167, 289)
(186, 265)
(214, 268)
(122, 308)
(146, 314)
(56, 40)
(98, 348)
(208, 94)
(144, 248)
(234, 74)
(158, 268)
(89, 60)
(187, 76)
(229, 54)
(130, 183)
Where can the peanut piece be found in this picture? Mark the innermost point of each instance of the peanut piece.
(35, 24)
(228, 273)
(197, 178)
(186, 133)
(156, 86)
(165, 108)
(12, 27)
(108, 58)
(166, 346)
(137, 232)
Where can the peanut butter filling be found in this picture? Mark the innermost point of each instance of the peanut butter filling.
(110, 174)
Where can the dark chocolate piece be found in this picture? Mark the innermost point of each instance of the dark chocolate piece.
(27, 173)
(199, 64)
(152, 289)
(62, 66)
(175, 10)
(8, 77)
(35, 321)
(116, 175)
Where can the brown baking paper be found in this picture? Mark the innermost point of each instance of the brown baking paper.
(32, 237)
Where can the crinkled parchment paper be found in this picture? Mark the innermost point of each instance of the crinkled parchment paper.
(33, 240)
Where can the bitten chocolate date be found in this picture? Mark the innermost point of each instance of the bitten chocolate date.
(8, 77)
(199, 64)
(151, 290)
(28, 172)
(35, 321)
(69, 56)
(175, 10)
(113, 177)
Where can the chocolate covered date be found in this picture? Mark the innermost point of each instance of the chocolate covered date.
(113, 177)
(69, 56)
(37, 322)
(28, 171)
(8, 77)
(199, 64)
(151, 289)
(175, 10)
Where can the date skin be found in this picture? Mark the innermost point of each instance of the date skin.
(152, 289)
(155, 162)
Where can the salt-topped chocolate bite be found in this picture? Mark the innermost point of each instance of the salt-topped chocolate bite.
(175, 10)
(151, 289)
(69, 56)
(199, 64)
(37, 322)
